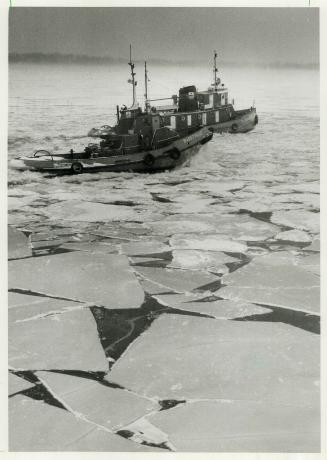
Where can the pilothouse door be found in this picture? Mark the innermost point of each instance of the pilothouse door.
(155, 122)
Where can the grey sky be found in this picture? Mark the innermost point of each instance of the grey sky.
(287, 35)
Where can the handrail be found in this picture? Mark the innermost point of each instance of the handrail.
(46, 153)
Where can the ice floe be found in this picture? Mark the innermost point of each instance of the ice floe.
(206, 243)
(19, 245)
(169, 227)
(68, 341)
(144, 248)
(302, 220)
(220, 309)
(182, 357)
(76, 211)
(17, 384)
(176, 280)
(98, 403)
(240, 426)
(274, 279)
(298, 236)
(314, 246)
(104, 279)
(37, 309)
(142, 431)
(197, 260)
(35, 426)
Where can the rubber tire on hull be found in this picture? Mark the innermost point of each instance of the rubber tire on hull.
(234, 127)
(175, 155)
(76, 168)
(149, 159)
(256, 120)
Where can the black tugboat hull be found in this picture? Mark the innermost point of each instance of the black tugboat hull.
(243, 121)
(178, 153)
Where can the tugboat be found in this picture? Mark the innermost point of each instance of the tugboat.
(211, 108)
(193, 109)
(140, 141)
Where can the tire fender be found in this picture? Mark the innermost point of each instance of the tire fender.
(149, 159)
(76, 168)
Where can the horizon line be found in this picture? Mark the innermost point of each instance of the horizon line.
(55, 57)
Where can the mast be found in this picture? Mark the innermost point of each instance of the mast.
(215, 70)
(132, 65)
(146, 87)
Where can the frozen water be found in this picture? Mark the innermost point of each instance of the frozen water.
(314, 246)
(240, 426)
(302, 220)
(103, 279)
(62, 341)
(206, 243)
(17, 384)
(274, 279)
(197, 260)
(35, 309)
(221, 309)
(169, 227)
(19, 245)
(105, 406)
(182, 357)
(177, 280)
(36, 426)
(144, 247)
(91, 212)
(294, 235)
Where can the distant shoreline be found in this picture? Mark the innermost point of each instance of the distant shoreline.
(57, 58)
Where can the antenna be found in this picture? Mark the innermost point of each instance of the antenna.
(132, 65)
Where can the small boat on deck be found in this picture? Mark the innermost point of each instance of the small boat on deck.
(140, 142)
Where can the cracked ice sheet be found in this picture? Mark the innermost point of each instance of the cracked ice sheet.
(177, 280)
(314, 246)
(64, 341)
(237, 227)
(17, 384)
(297, 236)
(169, 227)
(144, 248)
(206, 243)
(76, 211)
(44, 307)
(311, 262)
(274, 279)
(221, 309)
(105, 406)
(302, 220)
(36, 426)
(19, 245)
(240, 426)
(95, 248)
(197, 260)
(144, 431)
(183, 357)
(189, 203)
(103, 279)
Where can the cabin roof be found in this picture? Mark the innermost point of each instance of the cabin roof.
(219, 90)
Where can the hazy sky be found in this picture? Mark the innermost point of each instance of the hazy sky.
(239, 34)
